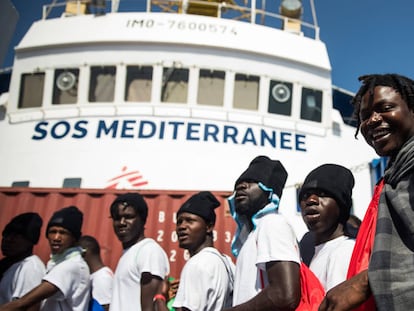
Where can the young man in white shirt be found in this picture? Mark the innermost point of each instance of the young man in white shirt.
(206, 281)
(326, 200)
(102, 276)
(268, 261)
(66, 285)
(20, 269)
(143, 265)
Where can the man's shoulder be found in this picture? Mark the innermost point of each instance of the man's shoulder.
(276, 216)
(103, 272)
(32, 258)
(275, 221)
(204, 256)
(206, 260)
(149, 243)
(34, 264)
(146, 245)
(344, 244)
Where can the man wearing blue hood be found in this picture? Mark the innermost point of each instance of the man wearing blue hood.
(268, 261)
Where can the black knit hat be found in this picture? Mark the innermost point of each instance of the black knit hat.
(270, 173)
(201, 204)
(134, 200)
(70, 218)
(337, 181)
(27, 224)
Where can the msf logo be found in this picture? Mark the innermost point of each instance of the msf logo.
(128, 179)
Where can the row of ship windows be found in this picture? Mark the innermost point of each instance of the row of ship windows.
(174, 89)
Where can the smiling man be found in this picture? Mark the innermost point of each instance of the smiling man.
(325, 201)
(143, 264)
(382, 264)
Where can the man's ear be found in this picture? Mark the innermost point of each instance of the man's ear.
(210, 227)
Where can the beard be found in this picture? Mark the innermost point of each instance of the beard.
(244, 208)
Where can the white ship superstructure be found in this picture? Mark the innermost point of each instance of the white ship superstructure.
(174, 95)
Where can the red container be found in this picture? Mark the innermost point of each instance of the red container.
(94, 204)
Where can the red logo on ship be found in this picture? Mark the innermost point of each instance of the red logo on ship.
(127, 180)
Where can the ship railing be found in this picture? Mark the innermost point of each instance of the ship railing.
(250, 11)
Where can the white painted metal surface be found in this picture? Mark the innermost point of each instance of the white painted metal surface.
(172, 146)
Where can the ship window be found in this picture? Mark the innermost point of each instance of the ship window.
(31, 90)
(174, 85)
(72, 182)
(65, 90)
(102, 84)
(246, 92)
(311, 108)
(211, 87)
(280, 98)
(139, 84)
(24, 183)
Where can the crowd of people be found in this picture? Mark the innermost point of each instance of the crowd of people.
(370, 270)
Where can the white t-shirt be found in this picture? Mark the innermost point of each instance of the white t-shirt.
(145, 256)
(272, 240)
(331, 261)
(205, 282)
(72, 278)
(102, 280)
(21, 278)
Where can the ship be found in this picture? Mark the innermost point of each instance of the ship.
(168, 98)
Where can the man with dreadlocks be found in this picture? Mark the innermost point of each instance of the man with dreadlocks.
(382, 264)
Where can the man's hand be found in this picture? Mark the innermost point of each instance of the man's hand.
(348, 294)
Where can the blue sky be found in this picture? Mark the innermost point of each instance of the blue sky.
(362, 36)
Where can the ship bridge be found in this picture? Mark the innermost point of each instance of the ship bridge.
(154, 62)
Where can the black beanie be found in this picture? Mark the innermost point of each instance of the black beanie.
(27, 224)
(201, 204)
(70, 218)
(337, 181)
(134, 200)
(270, 173)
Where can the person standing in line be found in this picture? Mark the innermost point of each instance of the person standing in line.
(20, 269)
(307, 243)
(267, 273)
(143, 265)
(66, 285)
(352, 226)
(101, 276)
(206, 281)
(325, 201)
(382, 264)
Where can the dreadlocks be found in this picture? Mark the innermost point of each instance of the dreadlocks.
(403, 85)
